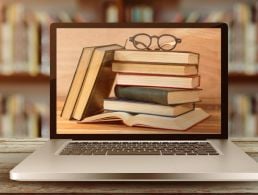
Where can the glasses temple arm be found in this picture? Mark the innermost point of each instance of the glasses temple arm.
(137, 43)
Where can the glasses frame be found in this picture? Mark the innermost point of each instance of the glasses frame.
(132, 39)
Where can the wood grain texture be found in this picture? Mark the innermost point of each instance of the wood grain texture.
(10, 159)
(206, 42)
(209, 125)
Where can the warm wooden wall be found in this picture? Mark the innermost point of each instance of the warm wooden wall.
(204, 41)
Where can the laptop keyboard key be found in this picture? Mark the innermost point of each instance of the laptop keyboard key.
(138, 148)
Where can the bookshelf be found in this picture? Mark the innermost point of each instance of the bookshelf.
(24, 78)
(240, 78)
(30, 72)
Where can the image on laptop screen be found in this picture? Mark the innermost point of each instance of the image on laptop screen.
(138, 80)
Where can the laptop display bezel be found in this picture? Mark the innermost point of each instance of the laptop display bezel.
(224, 83)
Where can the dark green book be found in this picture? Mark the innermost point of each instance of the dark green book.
(164, 96)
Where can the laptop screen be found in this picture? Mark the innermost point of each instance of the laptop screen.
(138, 80)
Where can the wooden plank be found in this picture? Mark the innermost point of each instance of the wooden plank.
(12, 145)
(10, 160)
(24, 78)
(23, 140)
(250, 147)
(236, 78)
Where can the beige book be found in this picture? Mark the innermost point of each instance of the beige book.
(182, 122)
(33, 45)
(155, 68)
(157, 56)
(146, 108)
(77, 82)
(97, 83)
(158, 81)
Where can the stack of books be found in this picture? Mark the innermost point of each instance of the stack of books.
(154, 89)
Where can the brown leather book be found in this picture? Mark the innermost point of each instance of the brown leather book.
(97, 82)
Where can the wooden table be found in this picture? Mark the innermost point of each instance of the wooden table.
(210, 125)
(13, 151)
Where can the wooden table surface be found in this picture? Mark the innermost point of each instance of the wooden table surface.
(13, 151)
(208, 126)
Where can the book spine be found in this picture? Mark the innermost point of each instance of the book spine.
(150, 95)
(112, 13)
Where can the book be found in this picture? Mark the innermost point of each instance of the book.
(164, 96)
(77, 82)
(157, 56)
(112, 13)
(182, 122)
(155, 68)
(158, 81)
(97, 82)
(141, 13)
(146, 108)
(34, 49)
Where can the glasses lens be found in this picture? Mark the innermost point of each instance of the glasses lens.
(167, 42)
(142, 41)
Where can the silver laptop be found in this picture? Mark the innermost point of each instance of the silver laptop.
(138, 102)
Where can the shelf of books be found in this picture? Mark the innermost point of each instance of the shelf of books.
(24, 31)
(243, 114)
(22, 118)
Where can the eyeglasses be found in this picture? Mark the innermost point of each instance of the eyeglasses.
(143, 41)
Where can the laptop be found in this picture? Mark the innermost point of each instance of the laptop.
(149, 104)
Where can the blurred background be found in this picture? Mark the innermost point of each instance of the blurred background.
(24, 53)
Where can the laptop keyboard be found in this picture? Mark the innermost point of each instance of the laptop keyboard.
(138, 148)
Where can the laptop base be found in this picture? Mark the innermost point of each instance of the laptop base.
(46, 165)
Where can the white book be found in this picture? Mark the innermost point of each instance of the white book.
(181, 123)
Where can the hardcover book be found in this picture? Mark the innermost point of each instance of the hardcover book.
(77, 82)
(157, 81)
(157, 56)
(164, 96)
(147, 108)
(155, 68)
(97, 82)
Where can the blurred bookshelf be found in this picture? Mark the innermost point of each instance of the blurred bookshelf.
(24, 51)
(241, 78)
(24, 78)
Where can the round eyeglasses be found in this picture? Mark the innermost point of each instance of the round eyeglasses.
(165, 42)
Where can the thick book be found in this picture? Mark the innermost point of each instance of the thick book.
(157, 56)
(155, 68)
(97, 83)
(164, 96)
(146, 108)
(182, 122)
(158, 80)
(77, 82)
